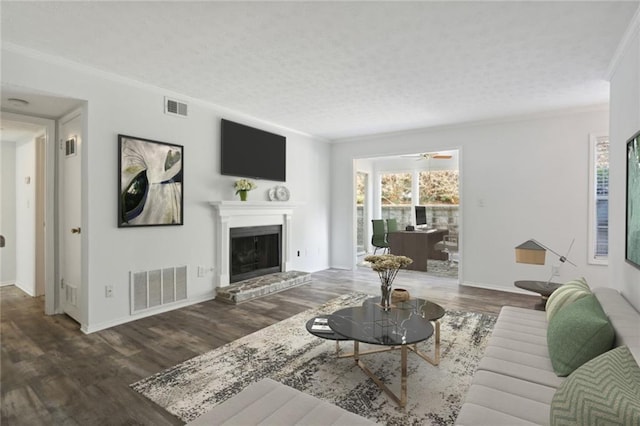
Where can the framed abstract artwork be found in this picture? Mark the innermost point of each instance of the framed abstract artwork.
(150, 183)
(633, 200)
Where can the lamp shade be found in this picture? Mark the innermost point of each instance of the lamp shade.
(530, 252)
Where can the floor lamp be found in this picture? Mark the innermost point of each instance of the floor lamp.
(534, 252)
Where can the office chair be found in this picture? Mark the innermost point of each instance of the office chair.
(450, 243)
(392, 225)
(379, 236)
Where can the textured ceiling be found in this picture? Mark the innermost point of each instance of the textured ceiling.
(342, 69)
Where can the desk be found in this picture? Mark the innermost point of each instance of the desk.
(417, 245)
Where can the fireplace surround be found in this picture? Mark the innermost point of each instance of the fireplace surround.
(240, 214)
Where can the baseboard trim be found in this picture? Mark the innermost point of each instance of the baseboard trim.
(92, 328)
(511, 289)
(22, 287)
(7, 283)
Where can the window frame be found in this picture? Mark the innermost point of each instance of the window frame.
(592, 259)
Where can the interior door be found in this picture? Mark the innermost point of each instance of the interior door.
(70, 215)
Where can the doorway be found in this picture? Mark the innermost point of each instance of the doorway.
(427, 182)
(23, 261)
(40, 179)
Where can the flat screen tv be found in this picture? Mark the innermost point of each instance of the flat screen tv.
(421, 215)
(252, 153)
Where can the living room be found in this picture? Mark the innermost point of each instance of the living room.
(523, 175)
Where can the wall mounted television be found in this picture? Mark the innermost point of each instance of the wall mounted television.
(252, 153)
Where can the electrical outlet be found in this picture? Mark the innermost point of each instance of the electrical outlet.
(555, 271)
(108, 291)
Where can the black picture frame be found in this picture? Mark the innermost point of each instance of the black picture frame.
(632, 246)
(150, 183)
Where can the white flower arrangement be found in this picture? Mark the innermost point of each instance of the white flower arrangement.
(244, 185)
(387, 266)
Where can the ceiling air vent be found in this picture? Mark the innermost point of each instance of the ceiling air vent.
(175, 107)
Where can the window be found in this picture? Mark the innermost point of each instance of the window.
(439, 192)
(396, 197)
(598, 199)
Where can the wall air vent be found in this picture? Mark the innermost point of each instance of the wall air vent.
(175, 107)
(152, 289)
(70, 147)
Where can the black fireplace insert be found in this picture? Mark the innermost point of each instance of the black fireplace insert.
(255, 251)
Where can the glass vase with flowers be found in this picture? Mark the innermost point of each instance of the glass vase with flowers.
(387, 267)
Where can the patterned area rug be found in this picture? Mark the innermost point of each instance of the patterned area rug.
(287, 353)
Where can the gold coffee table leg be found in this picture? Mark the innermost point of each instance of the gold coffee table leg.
(403, 375)
(402, 400)
(436, 350)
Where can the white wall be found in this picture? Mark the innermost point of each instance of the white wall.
(8, 213)
(625, 122)
(25, 202)
(531, 176)
(117, 106)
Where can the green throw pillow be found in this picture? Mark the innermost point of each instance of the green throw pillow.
(604, 391)
(578, 333)
(565, 295)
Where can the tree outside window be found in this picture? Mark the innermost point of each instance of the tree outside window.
(396, 197)
(439, 187)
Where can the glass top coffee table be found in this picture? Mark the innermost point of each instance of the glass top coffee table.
(401, 327)
(428, 310)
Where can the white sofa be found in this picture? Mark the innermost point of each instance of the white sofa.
(515, 381)
(268, 402)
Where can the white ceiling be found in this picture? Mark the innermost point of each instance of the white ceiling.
(342, 69)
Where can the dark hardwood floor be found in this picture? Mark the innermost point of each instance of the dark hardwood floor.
(53, 374)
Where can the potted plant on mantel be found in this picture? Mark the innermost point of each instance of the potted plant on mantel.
(243, 186)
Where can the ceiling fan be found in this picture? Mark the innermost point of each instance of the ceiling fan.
(430, 155)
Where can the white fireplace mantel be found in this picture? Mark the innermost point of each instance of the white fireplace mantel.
(237, 214)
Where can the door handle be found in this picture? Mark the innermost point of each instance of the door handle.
(1, 240)
(75, 230)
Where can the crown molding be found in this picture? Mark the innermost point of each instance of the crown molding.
(551, 113)
(117, 78)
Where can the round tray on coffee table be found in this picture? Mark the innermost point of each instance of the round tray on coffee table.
(325, 334)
